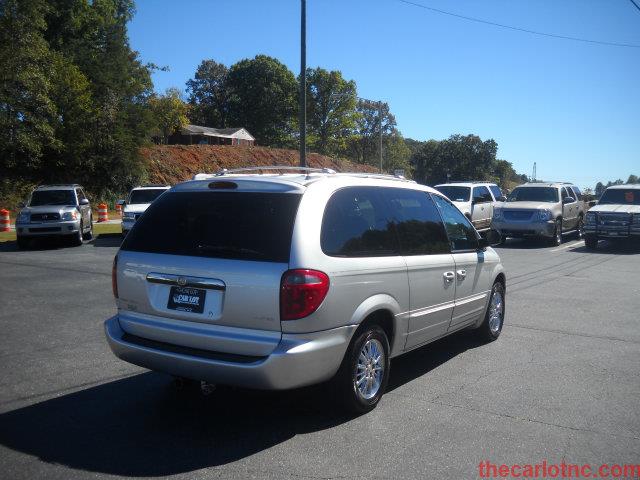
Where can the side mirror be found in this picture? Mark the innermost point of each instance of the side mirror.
(22, 205)
(483, 243)
(121, 203)
(84, 201)
(568, 200)
(502, 198)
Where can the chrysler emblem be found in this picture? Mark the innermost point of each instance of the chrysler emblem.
(182, 281)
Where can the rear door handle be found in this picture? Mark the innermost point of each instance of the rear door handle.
(462, 274)
(449, 276)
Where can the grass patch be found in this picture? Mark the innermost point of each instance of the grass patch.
(98, 229)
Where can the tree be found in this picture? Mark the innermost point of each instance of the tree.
(331, 110)
(209, 95)
(633, 179)
(456, 158)
(599, 189)
(26, 108)
(364, 145)
(263, 99)
(169, 112)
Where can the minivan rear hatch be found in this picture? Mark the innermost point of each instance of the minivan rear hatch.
(208, 262)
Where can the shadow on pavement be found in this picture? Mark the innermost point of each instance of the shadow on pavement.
(620, 247)
(142, 426)
(107, 240)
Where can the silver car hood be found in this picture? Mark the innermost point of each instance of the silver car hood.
(617, 208)
(526, 205)
(136, 207)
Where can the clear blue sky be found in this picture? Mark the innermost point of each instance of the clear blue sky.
(574, 108)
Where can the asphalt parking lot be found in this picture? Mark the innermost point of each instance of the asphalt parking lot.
(562, 383)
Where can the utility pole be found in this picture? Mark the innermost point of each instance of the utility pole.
(380, 116)
(533, 179)
(303, 83)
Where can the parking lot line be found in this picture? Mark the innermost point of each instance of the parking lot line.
(568, 245)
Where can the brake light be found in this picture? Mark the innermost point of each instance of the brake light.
(114, 276)
(301, 293)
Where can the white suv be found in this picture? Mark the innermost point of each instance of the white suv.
(475, 199)
(139, 200)
(277, 281)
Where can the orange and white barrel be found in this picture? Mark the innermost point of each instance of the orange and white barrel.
(5, 221)
(103, 213)
(119, 209)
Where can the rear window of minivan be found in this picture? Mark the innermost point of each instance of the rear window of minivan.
(235, 225)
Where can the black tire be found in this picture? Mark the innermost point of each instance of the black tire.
(23, 243)
(580, 228)
(489, 330)
(591, 242)
(556, 240)
(76, 238)
(89, 234)
(345, 380)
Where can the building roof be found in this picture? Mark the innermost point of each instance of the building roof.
(238, 132)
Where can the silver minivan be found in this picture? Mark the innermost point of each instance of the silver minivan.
(277, 281)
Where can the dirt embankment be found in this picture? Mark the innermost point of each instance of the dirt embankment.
(170, 164)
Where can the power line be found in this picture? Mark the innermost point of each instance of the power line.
(635, 4)
(533, 32)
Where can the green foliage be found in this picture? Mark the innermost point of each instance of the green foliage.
(331, 110)
(263, 99)
(633, 179)
(209, 95)
(461, 158)
(169, 112)
(73, 95)
(364, 145)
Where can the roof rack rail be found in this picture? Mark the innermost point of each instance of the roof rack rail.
(382, 176)
(58, 185)
(225, 171)
(153, 185)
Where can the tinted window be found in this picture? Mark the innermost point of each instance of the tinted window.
(461, 233)
(622, 196)
(534, 194)
(235, 225)
(80, 194)
(356, 224)
(455, 193)
(497, 193)
(52, 197)
(566, 192)
(577, 192)
(147, 195)
(419, 226)
(481, 195)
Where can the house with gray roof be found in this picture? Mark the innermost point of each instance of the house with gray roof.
(197, 135)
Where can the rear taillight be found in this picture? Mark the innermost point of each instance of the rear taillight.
(114, 276)
(301, 293)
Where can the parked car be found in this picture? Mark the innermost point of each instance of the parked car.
(55, 211)
(137, 202)
(547, 210)
(475, 199)
(617, 215)
(280, 281)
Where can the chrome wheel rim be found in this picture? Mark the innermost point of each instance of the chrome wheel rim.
(496, 312)
(369, 369)
(580, 229)
(558, 233)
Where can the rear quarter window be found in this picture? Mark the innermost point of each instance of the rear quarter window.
(235, 225)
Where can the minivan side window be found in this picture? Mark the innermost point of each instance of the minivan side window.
(461, 233)
(418, 223)
(481, 195)
(356, 224)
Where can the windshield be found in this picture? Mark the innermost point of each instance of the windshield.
(145, 196)
(534, 194)
(52, 197)
(620, 196)
(455, 193)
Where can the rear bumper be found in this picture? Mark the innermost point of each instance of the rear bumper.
(47, 229)
(298, 360)
(525, 229)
